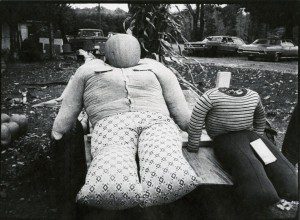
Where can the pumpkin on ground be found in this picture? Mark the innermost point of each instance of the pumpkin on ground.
(22, 121)
(122, 51)
(4, 118)
(5, 135)
(14, 129)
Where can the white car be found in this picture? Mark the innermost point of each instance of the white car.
(274, 49)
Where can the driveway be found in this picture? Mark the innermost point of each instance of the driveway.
(284, 66)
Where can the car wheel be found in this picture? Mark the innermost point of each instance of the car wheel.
(276, 57)
(250, 57)
(213, 51)
(80, 58)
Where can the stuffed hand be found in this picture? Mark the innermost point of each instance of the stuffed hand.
(56, 136)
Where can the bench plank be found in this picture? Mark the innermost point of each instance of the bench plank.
(208, 169)
(205, 164)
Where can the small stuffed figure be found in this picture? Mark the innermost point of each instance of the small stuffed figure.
(223, 110)
(234, 117)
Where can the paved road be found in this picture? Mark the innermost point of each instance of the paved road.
(286, 66)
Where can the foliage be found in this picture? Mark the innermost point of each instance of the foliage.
(216, 20)
(242, 24)
(105, 19)
(274, 14)
(228, 15)
(155, 27)
(195, 14)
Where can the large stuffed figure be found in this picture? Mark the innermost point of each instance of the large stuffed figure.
(133, 105)
(234, 118)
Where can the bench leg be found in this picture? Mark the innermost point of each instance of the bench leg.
(69, 169)
(291, 143)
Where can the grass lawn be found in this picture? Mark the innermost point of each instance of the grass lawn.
(26, 186)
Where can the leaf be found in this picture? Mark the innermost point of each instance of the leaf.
(151, 24)
(124, 23)
(143, 46)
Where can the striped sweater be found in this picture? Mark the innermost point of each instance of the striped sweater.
(223, 110)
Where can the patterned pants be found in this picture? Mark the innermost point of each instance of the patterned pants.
(137, 160)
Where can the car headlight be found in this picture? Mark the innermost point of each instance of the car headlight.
(97, 47)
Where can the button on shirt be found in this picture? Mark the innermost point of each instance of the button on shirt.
(122, 90)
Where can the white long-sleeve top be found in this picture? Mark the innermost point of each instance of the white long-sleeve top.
(104, 90)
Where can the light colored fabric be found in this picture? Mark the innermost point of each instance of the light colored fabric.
(222, 113)
(113, 181)
(165, 174)
(104, 91)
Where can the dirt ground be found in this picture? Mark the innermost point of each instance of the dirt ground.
(26, 186)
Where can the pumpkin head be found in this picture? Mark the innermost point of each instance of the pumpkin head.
(14, 129)
(5, 134)
(22, 121)
(122, 51)
(4, 118)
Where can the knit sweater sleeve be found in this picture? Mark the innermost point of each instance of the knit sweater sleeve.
(259, 121)
(202, 107)
(173, 95)
(71, 104)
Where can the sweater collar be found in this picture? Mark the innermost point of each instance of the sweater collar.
(143, 65)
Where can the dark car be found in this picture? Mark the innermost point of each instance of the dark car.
(91, 40)
(274, 49)
(215, 44)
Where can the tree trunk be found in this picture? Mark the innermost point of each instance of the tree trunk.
(201, 30)
(13, 32)
(99, 14)
(64, 37)
(51, 39)
(195, 22)
(254, 26)
(62, 30)
(195, 17)
(288, 34)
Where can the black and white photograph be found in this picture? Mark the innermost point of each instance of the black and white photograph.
(149, 110)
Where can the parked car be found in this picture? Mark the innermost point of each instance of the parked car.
(91, 40)
(273, 48)
(215, 44)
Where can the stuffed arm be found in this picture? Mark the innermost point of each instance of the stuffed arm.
(197, 121)
(259, 121)
(71, 105)
(173, 95)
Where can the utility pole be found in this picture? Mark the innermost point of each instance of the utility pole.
(99, 16)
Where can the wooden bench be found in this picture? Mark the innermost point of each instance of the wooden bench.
(205, 164)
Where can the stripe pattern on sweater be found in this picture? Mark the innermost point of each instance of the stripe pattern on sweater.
(222, 113)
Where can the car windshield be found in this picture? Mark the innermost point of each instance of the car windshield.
(260, 41)
(205, 40)
(267, 41)
(238, 41)
(274, 42)
(90, 33)
(214, 38)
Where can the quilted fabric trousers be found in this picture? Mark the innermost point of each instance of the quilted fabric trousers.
(137, 160)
